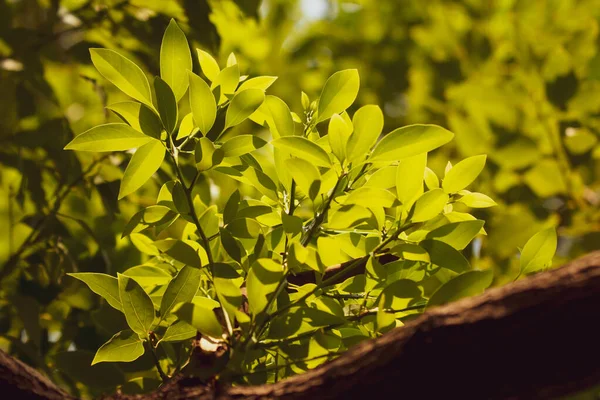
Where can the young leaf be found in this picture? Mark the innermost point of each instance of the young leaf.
(410, 141)
(137, 306)
(338, 134)
(261, 283)
(139, 117)
(470, 283)
(539, 251)
(339, 93)
(276, 114)
(208, 64)
(242, 106)
(123, 73)
(125, 346)
(303, 148)
(109, 137)
(476, 200)
(202, 103)
(409, 179)
(429, 205)
(181, 289)
(144, 163)
(200, 317)
(306, 175)
(103, 285)
(260, 82)
(242, 144)
(175, 59)
(368, 124)
(166, 104)
(463, 174)
(457, 234)
(187, 127)
(206, 155)
(371, 197)
(227, 80)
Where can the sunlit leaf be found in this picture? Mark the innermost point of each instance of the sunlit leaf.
(463, 174)
(368, 124)
(123, 73)
(137, 306)
(181, 289)
(539, 251)
(468, 284)
(410, 141)
(262, 281)
(303, 148)
(139, 117)
(429, 205)
(200, 317)
(144, 163)
(242, 106)
(124, 346)
(175, 59)
(109, 137)
(242, 144)
(208, 64)
(103, 285)
(202, 103)
(166, 104)
(339, 93)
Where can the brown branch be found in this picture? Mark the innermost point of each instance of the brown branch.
(532, 339)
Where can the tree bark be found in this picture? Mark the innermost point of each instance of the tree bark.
(532, 339)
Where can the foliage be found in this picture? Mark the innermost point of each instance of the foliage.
(514, 80)
(318, 200)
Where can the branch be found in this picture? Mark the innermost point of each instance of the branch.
(532, 339)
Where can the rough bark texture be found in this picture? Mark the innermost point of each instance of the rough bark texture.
(535, 338)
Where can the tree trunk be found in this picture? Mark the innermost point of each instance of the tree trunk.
(535, 338)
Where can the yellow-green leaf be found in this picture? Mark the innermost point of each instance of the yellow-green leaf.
(181, 289)
(200, 317)
(144, 163)
(109, 137)
(175, 59)
(166, 104)
(208, 64)
(410, 141)
(261, 283)
(368, 124)
(139, 117)
(202, 103)
(103, 285)
(123, 73)
(463, 174)
(429, 205)
(124, 346)
(137, 305)
(468, 284)
(539, 251)
(242, 106)
(339, 93)
(242, 144)
(303, 148)
(409, 179)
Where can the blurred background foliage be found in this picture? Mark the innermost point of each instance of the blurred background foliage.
(517, 80)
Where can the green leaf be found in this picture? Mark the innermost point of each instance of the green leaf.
(208, 64)
(139, 117)
(181, 251)
(259, 82)
(202, 103)
(339, 93)
(539, 251)
(338, 134)
(475, 200)
(409, 179)
(368, 124)
(123, 73)
(242, 106)
(410, 141)
(148, 275)
(431, 179)
(457, 234)
(261, 283)
(137, 305)
(103, 285)
(166, 104)
(144, 163)
(303, 148)
(306, 175)
(181, 289)
(179, 331)
(401, 294)
(227, 80)
(109, 137)
(200, 317)
(175, 59)
(187, 127)
(124, 346)
(371, 197)
(206, 155)
(446, 256)
(276, 114)
(470, 283)
(244, 228)
(242, 144)
(429, 205)
(463, 174)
